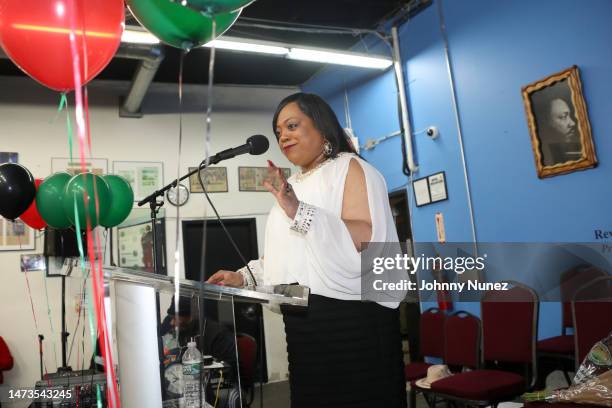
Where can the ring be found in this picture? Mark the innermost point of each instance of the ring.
(289, 188)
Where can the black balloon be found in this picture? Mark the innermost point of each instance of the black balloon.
(17, 190)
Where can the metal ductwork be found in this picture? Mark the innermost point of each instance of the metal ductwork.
(150, 57)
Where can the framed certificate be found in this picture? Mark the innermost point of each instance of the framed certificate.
(437, 187)
(421, 191)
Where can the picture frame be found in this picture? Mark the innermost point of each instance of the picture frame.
(215, 179)
(16, 236)
(33, 263)
(97, 166)
(437, 187)
(144, 177)
(9, 157)
(559, 124)
(252, 178)
(420, 187)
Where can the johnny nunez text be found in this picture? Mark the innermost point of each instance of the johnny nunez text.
(405, 284)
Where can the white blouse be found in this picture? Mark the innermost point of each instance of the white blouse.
(325, 258)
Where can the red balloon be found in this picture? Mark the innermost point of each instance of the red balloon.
(35, 34)
(31, 216)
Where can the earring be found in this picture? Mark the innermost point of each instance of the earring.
(327, 148)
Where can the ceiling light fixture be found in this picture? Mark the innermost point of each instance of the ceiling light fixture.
(138, 37)
(241, 45)
(324, 56)
(339, 58)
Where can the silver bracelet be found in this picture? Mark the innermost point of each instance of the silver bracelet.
(303, 218)
(248, 280)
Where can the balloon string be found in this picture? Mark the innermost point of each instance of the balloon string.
(50, 320)
(177, 258)
(64, 105)
(98, 279)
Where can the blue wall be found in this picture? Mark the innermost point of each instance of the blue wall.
(496, 48)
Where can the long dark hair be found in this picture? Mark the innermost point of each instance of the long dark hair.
(323, 117)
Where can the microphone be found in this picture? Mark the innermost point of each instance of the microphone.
(256, 144)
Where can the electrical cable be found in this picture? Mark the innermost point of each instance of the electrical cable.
(242, 258)
(218, 388)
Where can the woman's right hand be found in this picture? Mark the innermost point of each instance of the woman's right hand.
(227, 278)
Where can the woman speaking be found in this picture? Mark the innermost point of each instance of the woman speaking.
(343, 351)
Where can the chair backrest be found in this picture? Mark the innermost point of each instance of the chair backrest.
(462, 339)
(592, 309)
(431, 335)
(572, 280)
(509, 324)
(247, 358)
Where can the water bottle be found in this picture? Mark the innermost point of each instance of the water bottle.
(192, 364)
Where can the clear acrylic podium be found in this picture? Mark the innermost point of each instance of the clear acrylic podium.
(134, 323)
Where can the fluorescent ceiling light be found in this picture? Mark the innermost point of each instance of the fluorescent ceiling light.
(138, 37)
(284, 50)
(239, 45)
(341, 58)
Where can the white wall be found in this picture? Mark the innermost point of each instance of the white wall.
(30, 126)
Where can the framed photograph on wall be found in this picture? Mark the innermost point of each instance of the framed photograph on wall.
(16, 236)
(252, 178)
(559, 124)
(144, 177)
(9, 157)
(96, 166)
(437, 187)
(214, 178)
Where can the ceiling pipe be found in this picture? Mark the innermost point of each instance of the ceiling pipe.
(399, 75)
(150, 56)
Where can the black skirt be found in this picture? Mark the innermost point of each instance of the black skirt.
(344, 354)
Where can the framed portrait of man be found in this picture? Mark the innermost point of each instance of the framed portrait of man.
(559, 124)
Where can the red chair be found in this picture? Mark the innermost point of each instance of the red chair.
(461, 348)
(509, 332)
(6, 359)
(431, 344)
(560, 349)
(592, 308)
(247, 361)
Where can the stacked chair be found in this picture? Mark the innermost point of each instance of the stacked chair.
(431, 341)
(561, 349)
(591, 311)
(509, 333)
(461, 349)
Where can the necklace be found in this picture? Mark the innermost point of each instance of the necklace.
(301, 176)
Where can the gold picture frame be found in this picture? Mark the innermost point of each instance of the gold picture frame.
(252, 178)
(559, 124)
(215, 179)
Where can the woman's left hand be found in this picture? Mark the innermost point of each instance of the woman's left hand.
(284, 194)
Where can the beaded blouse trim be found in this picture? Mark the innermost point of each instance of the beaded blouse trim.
(301, 176)
(303, 218)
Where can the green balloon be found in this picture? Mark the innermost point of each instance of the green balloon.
(81, 186)
(49, 200)
(122, 199)
(179, 26)
(212, 7)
